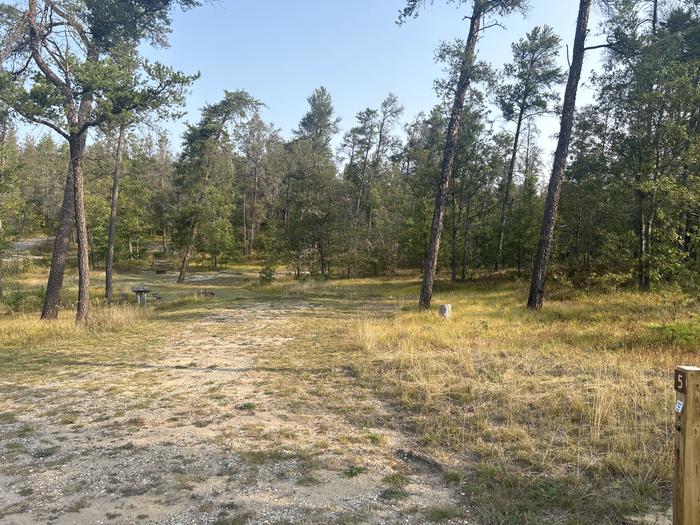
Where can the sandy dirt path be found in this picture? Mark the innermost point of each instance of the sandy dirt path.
(220, 425)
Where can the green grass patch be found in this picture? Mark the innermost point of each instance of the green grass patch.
(354, 471)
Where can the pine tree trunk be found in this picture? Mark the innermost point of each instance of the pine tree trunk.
(254, 210)
(578, 238)
(453, 254)
(245, 225)
(77, 150)
(322, 257)
(507, 188)
(643, 267)
(426, 294)
(539, 272)
(187, 256)
(109, 263)
(465, 240)
(91, 240)
(61, 244)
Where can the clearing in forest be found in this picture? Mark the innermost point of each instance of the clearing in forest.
(336, 402)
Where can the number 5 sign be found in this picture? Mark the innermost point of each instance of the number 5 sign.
(681, 382)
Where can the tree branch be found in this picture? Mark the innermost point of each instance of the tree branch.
(600, 46)
(43, 122)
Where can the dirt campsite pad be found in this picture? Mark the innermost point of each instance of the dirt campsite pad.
(217, 421)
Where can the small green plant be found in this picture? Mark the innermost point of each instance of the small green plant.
(452, 476)
(376, 438)
(8, 417)
(248, 406)
(392, 494)
(442, 513)
(24, 301)
(685, 334)
(354, 471)
(44, 453)
(25, 430)
(396, 480)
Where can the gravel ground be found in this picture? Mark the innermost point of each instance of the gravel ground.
(211, 429)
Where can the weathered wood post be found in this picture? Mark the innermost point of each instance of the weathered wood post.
(686, 478)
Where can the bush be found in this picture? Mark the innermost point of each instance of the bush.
(24, 301)
(610, 282)
(681, 334)
(268, 275)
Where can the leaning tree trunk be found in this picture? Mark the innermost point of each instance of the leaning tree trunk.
(109, 263)
(77, 150)
(187, 255)
(465, 76)
(539, 272)
(52, 298)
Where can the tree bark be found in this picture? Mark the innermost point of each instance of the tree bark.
(52, 298)
(245, 223)
(254, 210)
(77, 151)
(187, 256)
(453, 247)
(539, 272)
(465, 76)
(465, 240)
(109, 263)
(508, 186)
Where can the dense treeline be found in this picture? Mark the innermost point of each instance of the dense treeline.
(335, 203)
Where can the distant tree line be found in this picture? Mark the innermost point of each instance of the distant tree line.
(374, 199)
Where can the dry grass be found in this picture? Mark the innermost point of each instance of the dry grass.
(28, 329)
(562, 416)
(567, 412)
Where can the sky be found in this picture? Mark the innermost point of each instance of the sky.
(281, 50)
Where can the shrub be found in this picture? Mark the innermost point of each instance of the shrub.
(268, 274)
(24, 301)
(610, 282)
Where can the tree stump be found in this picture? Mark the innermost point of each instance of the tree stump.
(446, 311)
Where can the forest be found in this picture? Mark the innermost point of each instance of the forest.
(627, 217)
(563, 267)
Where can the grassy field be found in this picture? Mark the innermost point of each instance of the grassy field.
(563, 416)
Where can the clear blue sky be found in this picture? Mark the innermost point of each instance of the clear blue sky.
(280, 50)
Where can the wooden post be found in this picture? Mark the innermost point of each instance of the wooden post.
(686, 479)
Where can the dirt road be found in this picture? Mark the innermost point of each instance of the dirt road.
(224, 423)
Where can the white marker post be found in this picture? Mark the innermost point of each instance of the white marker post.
(686, 488)
(446, 311)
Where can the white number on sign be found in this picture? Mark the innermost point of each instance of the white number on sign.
(680, 382)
